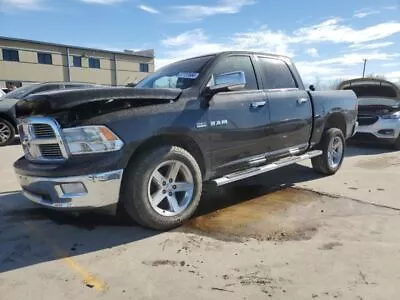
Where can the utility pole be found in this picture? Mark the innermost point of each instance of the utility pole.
(365, 63)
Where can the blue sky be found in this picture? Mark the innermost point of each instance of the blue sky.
(328, 40)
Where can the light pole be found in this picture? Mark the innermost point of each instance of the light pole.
(365, 63)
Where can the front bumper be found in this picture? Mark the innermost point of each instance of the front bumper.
(383, 130)
(98, 190)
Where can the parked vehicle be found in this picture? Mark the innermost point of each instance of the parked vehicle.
(8, 122)
(146, 151)
(379, 110)
(2, 93)
(5, 90)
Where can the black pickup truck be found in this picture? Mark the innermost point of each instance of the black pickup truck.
(147, 151)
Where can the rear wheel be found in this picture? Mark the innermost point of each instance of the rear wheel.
(7, 132)
(333, 146)
(163, 188)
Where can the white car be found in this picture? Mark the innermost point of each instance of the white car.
(378, 110)
(2, 93)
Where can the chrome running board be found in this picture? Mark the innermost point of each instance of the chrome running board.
(266, 168)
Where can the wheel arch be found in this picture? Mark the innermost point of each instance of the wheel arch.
(183, 141)
(336, 120)
(9, 119)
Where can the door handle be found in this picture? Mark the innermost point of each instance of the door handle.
(302, 100)
(257, 104)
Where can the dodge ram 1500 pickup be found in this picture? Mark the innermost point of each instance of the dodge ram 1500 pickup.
(147, 151)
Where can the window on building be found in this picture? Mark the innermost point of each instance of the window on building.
(10, 55)
(144, 67)
(77, 61)
(45, 58)
(94, 63)
(276, 74)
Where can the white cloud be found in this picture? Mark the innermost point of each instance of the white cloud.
(22, 4)
(371, 46)
(148, 9)
(105, 2)
(185, 38)
(365, 12)
(195, 12)
(313, 52)
(331, 31)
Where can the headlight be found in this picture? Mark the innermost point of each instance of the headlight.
(91, 139)
(395, 115)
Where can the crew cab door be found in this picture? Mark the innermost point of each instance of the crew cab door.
(290, 108)
(238, 120)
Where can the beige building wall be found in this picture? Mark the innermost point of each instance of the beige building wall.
(115, 68)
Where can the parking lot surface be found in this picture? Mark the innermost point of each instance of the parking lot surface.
(288, 234)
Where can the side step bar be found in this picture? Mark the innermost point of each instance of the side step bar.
(266, 168)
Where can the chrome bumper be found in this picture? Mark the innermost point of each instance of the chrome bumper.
(97, 190)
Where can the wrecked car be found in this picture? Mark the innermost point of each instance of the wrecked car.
(8, 122)
(147, 151)
(378, 111)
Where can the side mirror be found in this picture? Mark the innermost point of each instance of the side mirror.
(226, 82)
(312, 87)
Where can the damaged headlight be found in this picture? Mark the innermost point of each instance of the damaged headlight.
(393, 116)
(91, 139)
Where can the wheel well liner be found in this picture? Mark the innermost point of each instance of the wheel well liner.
(336, 120)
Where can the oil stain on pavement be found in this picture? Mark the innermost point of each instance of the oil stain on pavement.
(284, 215)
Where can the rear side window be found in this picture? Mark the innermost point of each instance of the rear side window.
(276, 74)
(46, 88)
(238, 63)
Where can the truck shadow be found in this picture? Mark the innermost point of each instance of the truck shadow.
(31, 235)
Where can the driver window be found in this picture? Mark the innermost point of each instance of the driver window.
(236, 63)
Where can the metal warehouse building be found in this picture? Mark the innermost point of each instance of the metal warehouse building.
(25, 61)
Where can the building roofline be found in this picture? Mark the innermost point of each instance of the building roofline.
(130, 53)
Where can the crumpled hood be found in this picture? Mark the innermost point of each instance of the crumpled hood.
(53, 102)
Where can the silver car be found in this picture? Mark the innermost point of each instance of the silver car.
(378, 110)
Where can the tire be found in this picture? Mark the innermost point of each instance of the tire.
(7, 132)
(142, 184)
(325, 164)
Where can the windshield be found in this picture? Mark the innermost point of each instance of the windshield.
(21, 92)
(179, 75)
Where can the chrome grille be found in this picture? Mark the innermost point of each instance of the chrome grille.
(41, 140)
(43, 130)
(50, 151)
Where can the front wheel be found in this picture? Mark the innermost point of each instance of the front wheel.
(163, 188)
(333, 146)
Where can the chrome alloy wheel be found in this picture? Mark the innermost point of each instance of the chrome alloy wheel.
(170, 188)
(335, 152)
(5, 132)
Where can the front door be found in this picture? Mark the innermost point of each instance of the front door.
(238, 120)
(290, 108)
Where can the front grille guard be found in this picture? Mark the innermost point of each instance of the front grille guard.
(31, 143)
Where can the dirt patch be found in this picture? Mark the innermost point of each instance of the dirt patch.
(330, 246)
(164, 262)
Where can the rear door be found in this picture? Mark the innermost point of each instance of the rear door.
(290, 108)
(238, 120)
